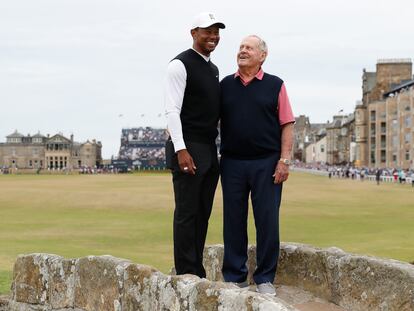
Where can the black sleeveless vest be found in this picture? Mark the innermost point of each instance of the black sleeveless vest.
(250, 127)
(201, 104)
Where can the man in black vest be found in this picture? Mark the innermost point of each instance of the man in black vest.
(192, 102)
(256, 143)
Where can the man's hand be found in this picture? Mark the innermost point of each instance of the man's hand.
(281, 173)
(185, 161)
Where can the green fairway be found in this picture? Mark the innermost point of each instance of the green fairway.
(130, 216)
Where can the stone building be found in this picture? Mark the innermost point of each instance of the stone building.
(316, 151)
(54, 152)
(306, 133)
(302, 129)
(379, 122)
(393, 133)
(340, 140)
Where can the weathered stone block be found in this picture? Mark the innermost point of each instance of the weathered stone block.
(62, 283)
(213, 262)
(30, 278)
(366, 283)
(99, 283)
(305, 267)
(135, 278)
(251, 301)
(208, 294)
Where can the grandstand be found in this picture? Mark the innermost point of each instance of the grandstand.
(142, 148)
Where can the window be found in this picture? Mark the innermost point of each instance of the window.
(383, 127)
(407, 121)
(372, 129)
(394, 125)
(372, 115)
(383, 142)
(394, 157)
(322, 148)
(395, 141)
(372, 142)
(30, 163)
(407, 155)
(383, 156)
(407, 138)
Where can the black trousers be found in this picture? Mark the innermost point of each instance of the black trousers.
(194, 196)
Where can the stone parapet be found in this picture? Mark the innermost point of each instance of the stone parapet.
(354, 282)
(44, 282)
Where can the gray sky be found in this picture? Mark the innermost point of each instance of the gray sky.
(91, 67)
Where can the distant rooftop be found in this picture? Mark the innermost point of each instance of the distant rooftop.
(394, 61)
(399, 87)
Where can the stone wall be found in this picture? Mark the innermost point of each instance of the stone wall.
(49, 282)
(354, 282)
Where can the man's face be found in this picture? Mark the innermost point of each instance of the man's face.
(206, 39)
(250, 55)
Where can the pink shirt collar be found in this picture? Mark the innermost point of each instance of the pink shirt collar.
(259, 76)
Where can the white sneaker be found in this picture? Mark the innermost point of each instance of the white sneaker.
(266, 288)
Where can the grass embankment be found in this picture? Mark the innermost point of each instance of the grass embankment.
(130, 216)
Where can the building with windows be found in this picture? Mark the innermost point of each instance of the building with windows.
(305, 133)
(48, 152)
(393, 121)
(381, 135)
(316, 151)
(340, 140)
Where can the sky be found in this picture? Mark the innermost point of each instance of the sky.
(92, 67)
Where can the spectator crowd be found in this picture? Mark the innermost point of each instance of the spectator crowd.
(401, 176)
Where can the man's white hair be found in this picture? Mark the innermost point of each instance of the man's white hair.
(262, 44)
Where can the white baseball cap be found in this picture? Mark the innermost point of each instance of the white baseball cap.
(206, 19)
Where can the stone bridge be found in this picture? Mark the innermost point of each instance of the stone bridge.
(308, 279)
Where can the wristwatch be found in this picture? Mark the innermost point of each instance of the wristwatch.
(285, 161)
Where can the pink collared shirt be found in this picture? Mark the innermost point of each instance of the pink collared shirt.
(285, 110)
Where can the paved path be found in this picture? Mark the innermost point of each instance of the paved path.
(304, 300)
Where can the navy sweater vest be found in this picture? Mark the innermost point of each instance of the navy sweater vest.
(250, 126)
(201, 104)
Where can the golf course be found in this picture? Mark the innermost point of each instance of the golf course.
(130, 216)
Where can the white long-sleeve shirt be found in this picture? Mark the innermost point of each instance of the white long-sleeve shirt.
(175, 83)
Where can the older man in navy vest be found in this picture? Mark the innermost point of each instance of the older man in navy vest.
(192, 103)
(256, 144)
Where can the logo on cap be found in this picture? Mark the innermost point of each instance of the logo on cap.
(211, 16)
